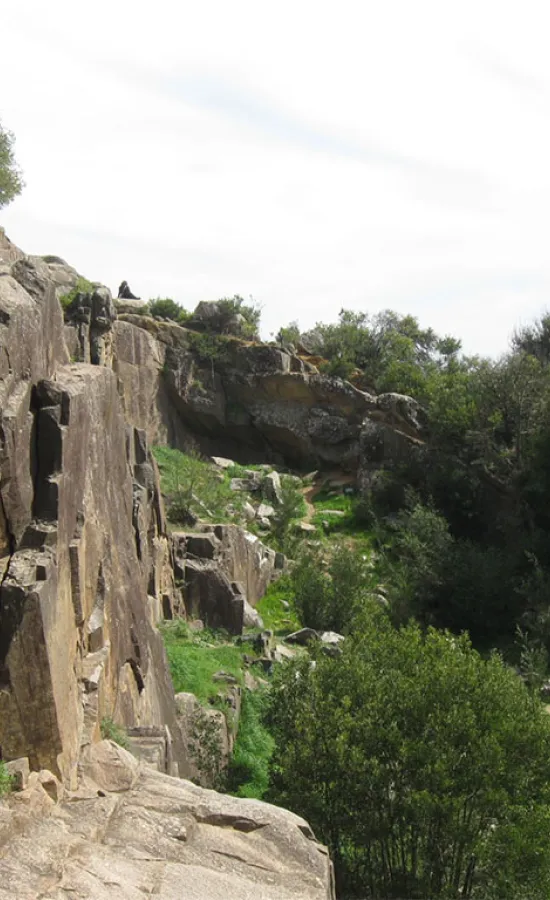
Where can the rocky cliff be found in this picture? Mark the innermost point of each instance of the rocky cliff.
(85, 561)
(247, 400)
(87, 573)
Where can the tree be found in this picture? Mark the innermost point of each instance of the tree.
(330, 586)
(11, 181)
(290, 508)
(289, 334)
(423, 766)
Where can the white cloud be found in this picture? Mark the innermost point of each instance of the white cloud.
(357, 154)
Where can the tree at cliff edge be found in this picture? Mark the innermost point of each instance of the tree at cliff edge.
(11, 181)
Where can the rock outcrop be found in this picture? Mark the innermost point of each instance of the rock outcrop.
(86, 573)
(84, 559)
(245, 400)
(224, 568)
(131, 832)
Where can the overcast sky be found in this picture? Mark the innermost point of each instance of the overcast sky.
(361, 154)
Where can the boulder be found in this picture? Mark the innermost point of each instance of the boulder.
(271, 488)
(223, 567)
(251, 617)
(305, 527)
(64, 276)
(251, 483)
(9, 253)
(222, 463)
(265, 511)
(302, 637)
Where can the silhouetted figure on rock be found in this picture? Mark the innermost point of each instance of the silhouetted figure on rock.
(124, 292)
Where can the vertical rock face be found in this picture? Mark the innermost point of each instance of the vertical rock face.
(85, 563)
(9, 253)
(224, 569)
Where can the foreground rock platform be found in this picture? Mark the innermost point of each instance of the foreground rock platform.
(130, 832)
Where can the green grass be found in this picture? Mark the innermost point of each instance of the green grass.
(326, 499)
(348, 525)
(238, 471)
(280, 620)
(248, 773)
(112, 732)
(193, 484)
(195, 658)
(6, 780)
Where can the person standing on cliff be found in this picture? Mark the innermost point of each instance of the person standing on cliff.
(124, 292)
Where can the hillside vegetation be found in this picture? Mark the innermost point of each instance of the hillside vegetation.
(421, 750)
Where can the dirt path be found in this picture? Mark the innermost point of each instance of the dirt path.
(312, 490)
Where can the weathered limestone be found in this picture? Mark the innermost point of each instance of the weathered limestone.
(132, 832)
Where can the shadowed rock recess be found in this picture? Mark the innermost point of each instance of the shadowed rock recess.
(87, 573)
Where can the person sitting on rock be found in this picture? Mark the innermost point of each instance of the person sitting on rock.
(124, 292)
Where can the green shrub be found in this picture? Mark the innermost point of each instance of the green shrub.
(82, 286)
(6, 780)
(289, 334)
(166, 308)
(330, 586)
(339, 368)
(11, 181)
(112, 732)
(291, 508)
(236, 306)
(212, 349)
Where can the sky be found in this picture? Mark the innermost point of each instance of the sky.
(312, 156)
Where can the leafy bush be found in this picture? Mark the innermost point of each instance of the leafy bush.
(289, 334)
(231, 307)
(340, 367)
(212, 349)
(291, 508)
(165, 308)
(6, 780)
(112, 732)
(425, 767)
(330, 586)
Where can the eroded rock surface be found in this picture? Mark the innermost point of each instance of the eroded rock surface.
(131, 832)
